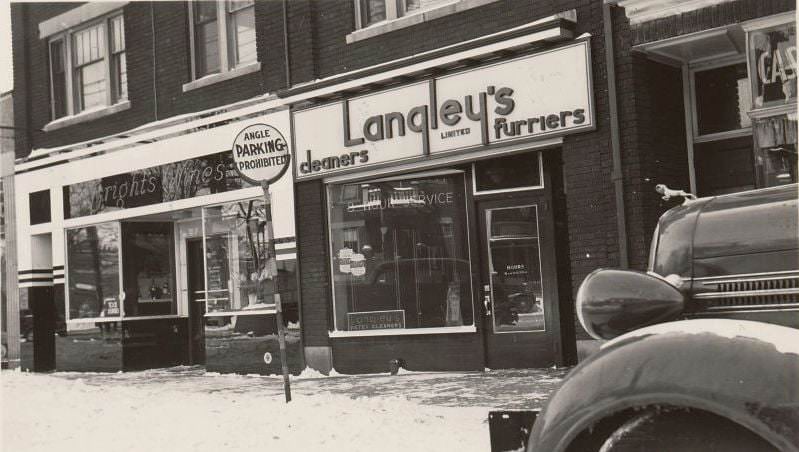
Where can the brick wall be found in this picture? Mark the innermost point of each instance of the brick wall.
(156, 33)
(312, 254)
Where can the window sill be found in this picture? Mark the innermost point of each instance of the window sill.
(414, 18)
(84, 116)
(404, 332)
(222, 76)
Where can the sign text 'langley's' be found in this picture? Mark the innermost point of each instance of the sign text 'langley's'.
(538, 95)
(451, 112)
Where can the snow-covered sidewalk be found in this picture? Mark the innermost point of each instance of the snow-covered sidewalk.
(186, 409)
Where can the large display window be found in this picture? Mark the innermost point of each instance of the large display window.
(242, 272)
(399, 250)
(119, 270)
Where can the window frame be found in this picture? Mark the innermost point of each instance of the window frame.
(693, 128)
(70, 68)
(327, 197)
(224, 40)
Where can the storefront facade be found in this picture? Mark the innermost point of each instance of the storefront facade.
(152, 252)
(439, 201)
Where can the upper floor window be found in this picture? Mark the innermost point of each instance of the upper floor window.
(223, 36)
(374, 11)
(88, 67)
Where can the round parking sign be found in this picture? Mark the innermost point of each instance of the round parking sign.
(261, 153)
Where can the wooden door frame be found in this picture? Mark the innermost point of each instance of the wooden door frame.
(549, 273)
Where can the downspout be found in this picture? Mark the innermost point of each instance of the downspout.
(616, 175)
(286, 42)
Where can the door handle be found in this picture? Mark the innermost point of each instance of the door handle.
(487, 304)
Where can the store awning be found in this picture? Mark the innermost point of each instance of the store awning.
(693, 48)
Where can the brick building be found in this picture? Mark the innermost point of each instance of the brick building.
(458, 168)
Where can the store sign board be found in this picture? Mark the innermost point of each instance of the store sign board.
(772, 53)
(213, 173)
(260, 153)
(376, 320)
(540, 95)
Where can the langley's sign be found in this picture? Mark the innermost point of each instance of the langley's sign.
(541, 95)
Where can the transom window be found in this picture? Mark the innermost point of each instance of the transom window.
(222, 45)
(88, 67)
(373, 11)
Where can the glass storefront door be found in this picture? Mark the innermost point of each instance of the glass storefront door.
(516, 292)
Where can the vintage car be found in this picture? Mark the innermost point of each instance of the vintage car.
(703, 350)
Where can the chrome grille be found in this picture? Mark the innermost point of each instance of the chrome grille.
(748, 292)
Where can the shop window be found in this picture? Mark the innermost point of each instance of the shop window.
(723, 158)
(240, 272)
(223, 36)
(399, 253)
(724, 166)
(39, 203)
(514, 173)
(88, 67)
(147, 267)
(93, 271)
(121, 270)
(775, 149)
(722, 99)
(772, 53)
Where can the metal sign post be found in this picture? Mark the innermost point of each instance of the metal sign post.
(281, 331)
(261, 155)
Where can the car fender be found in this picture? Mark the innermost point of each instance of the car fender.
(741, 370)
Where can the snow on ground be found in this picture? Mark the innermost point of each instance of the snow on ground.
(187, 409)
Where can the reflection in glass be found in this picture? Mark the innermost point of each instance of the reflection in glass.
(148, 268)
(399, 254)
(515, 269)
(772, 53)
(508, 172)
(93, 271)
(776, 149)
(240, 273)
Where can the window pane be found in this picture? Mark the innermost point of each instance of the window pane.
(240, 273)
(120, 76)
(242, 36)
(148, 269)
(207, 49)
(117, 34)
(722, 99)
(724, 166)
(93, 271)
(416, 5)
(58, 79)
(508, 172)
(372, 11)
(773, 62)
(776, 149)
(91, 85)
(515, 269)
(399, 254)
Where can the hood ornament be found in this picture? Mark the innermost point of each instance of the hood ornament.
(668, 193)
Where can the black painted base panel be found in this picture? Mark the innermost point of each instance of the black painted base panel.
(432, 352)
(234, 352)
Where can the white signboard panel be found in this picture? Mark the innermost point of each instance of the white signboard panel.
(540, 95)
(535, 96)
